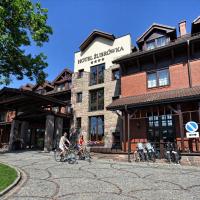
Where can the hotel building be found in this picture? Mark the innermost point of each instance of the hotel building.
(96, 82)
(160, 88)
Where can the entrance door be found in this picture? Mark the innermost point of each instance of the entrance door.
(161, 129)
(39, 138)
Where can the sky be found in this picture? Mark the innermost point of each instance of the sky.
(73, 20)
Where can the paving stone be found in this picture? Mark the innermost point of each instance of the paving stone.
(103, 179)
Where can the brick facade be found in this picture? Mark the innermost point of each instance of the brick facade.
(131, 84)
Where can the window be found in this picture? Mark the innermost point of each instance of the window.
(55, 109)
(161, 41)
(61, 87)
(79, 97)
(80, 73)
(97, 100)
(41, 91)
(115, 74)
(161, 127)
(166, 120)
(78, 122)
(150, 45)
(96, 128)
(158, 79)
(69, 85)
(158, 42)
(2, 117)
(97, 74)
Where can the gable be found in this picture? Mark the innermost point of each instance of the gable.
(196, 25)
(95, 34)
(157, 28)
(65, 75)
(155, 34)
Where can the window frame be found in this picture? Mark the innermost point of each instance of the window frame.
(97, 127)
(61, 87)
(3, 116)
(156, 42)
(80, 73)
(157, 78)
(97, 74)
(113, 76)
(78, 100)
(78, 122)
(97, 99)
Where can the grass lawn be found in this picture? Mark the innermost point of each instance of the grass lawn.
(7, 176)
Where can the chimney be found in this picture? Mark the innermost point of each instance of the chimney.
(182, 28)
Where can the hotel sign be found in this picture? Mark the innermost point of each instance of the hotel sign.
(101, 54)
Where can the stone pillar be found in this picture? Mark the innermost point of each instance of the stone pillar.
(58, 131)
(24, 131)
(13, 133)
(49, 131)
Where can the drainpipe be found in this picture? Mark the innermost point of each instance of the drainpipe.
(188, 63)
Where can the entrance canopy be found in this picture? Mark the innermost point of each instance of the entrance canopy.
(12, 99)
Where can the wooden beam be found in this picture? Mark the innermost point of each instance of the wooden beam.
(154, 61)
(124, 130)
(181, 127)
(138, 64)
(173, 109)
(172, 55)
(117, 113)
(133, 113)
(129, 142)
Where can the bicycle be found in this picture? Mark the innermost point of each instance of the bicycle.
(84, 154)
(70, 156)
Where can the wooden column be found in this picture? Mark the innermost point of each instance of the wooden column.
(181, 126)
(129, 142)
(124, 130)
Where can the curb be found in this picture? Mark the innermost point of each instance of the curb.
(14, 183)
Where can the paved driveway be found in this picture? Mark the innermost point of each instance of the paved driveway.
(102, 179)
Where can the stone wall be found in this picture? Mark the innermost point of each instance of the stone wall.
(111, 88)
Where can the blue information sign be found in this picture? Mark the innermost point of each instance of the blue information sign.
(191, 126)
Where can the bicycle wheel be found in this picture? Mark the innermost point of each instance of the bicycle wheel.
(87, 156)
(71, 157)
(57, 155)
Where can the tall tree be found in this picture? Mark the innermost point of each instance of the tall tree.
(22, 24)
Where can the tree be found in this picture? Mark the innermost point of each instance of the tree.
(22, 24)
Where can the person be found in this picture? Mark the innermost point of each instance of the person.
(73, 137)
(62, 144)
(80, 145)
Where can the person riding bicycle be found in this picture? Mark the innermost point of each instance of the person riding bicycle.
(62, 144)
(81, 141)
(80, 144)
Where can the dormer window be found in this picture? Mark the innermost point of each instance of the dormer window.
(61, 87)
(158, 42)
(41, 91)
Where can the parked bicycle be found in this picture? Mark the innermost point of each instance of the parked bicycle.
(150, 152)
(146, 152)
(139, 154)
(171, 153)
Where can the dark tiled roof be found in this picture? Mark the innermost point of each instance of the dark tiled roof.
(156, 98)
(20, 93)
(178, 41)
